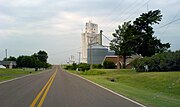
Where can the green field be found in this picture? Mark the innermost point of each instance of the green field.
(6, 74)
(156, 89)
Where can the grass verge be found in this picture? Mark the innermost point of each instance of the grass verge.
(156, 89)
(6, 74)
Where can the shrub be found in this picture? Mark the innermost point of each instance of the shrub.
(83, 66)
(109, 65)
(97, 66)
(68, 67)
(168, 61)
(74, 66)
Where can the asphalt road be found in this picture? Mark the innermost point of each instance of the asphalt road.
(57, 88)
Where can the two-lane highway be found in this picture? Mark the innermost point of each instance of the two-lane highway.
(57, 88)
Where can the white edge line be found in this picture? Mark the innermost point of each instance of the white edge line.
(2, 82)
(108, 90)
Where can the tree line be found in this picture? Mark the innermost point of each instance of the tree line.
(37, 60)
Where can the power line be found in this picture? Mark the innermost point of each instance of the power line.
(133, 8)
(137, 10)
(171, 20)
(65, 52)
(123, 11)
(167, 24)
(107, 38)
(127, 10)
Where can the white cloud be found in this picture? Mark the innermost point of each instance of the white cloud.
(21, 3)
(6, 19)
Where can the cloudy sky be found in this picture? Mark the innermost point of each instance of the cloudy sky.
(27, 26)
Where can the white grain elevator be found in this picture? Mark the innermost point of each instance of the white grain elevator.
(90, 36)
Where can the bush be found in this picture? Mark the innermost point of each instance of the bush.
(168, 61)
(109, 65)
(97, 66)
(74, 66)
(83, 66)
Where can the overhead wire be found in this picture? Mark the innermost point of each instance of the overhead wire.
(133, 8)
(123, 11)
(136, 5)
(170, 24)
(167, 24)
(136, 10)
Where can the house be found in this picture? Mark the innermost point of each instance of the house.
(118, 60)
(8, 64)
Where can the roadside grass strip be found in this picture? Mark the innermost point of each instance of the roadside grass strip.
(111, 91)
(156, 89)
(42, 94)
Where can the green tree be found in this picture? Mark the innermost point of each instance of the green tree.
(27, 61)
(42, 56)
(11, 58)
(18, 61)
(122, 41)
(37, 60)
(145, 43)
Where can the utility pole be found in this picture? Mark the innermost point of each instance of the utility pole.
(100, 37)
(72, 59)
(79, 57)
(6, 53)
(90, 56)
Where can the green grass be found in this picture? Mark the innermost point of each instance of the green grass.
(156, 89)
(6, 74)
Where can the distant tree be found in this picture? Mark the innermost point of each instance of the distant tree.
(122, 41)
(18, 61)
(27, 61)
(11, 58)
(145, 43)
(42, 56)
(37, 60)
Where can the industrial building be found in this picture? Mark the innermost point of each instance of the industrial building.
(90, 37)
(93, 52)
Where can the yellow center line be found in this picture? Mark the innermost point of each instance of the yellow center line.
(38, 96)
(46, 89)
(45, 93)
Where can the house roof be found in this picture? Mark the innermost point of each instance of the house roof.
(114, 58)
(8, 63)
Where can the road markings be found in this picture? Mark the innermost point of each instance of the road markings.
(45, 89)
(45, 93)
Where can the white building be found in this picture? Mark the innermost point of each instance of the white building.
(89, 37)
